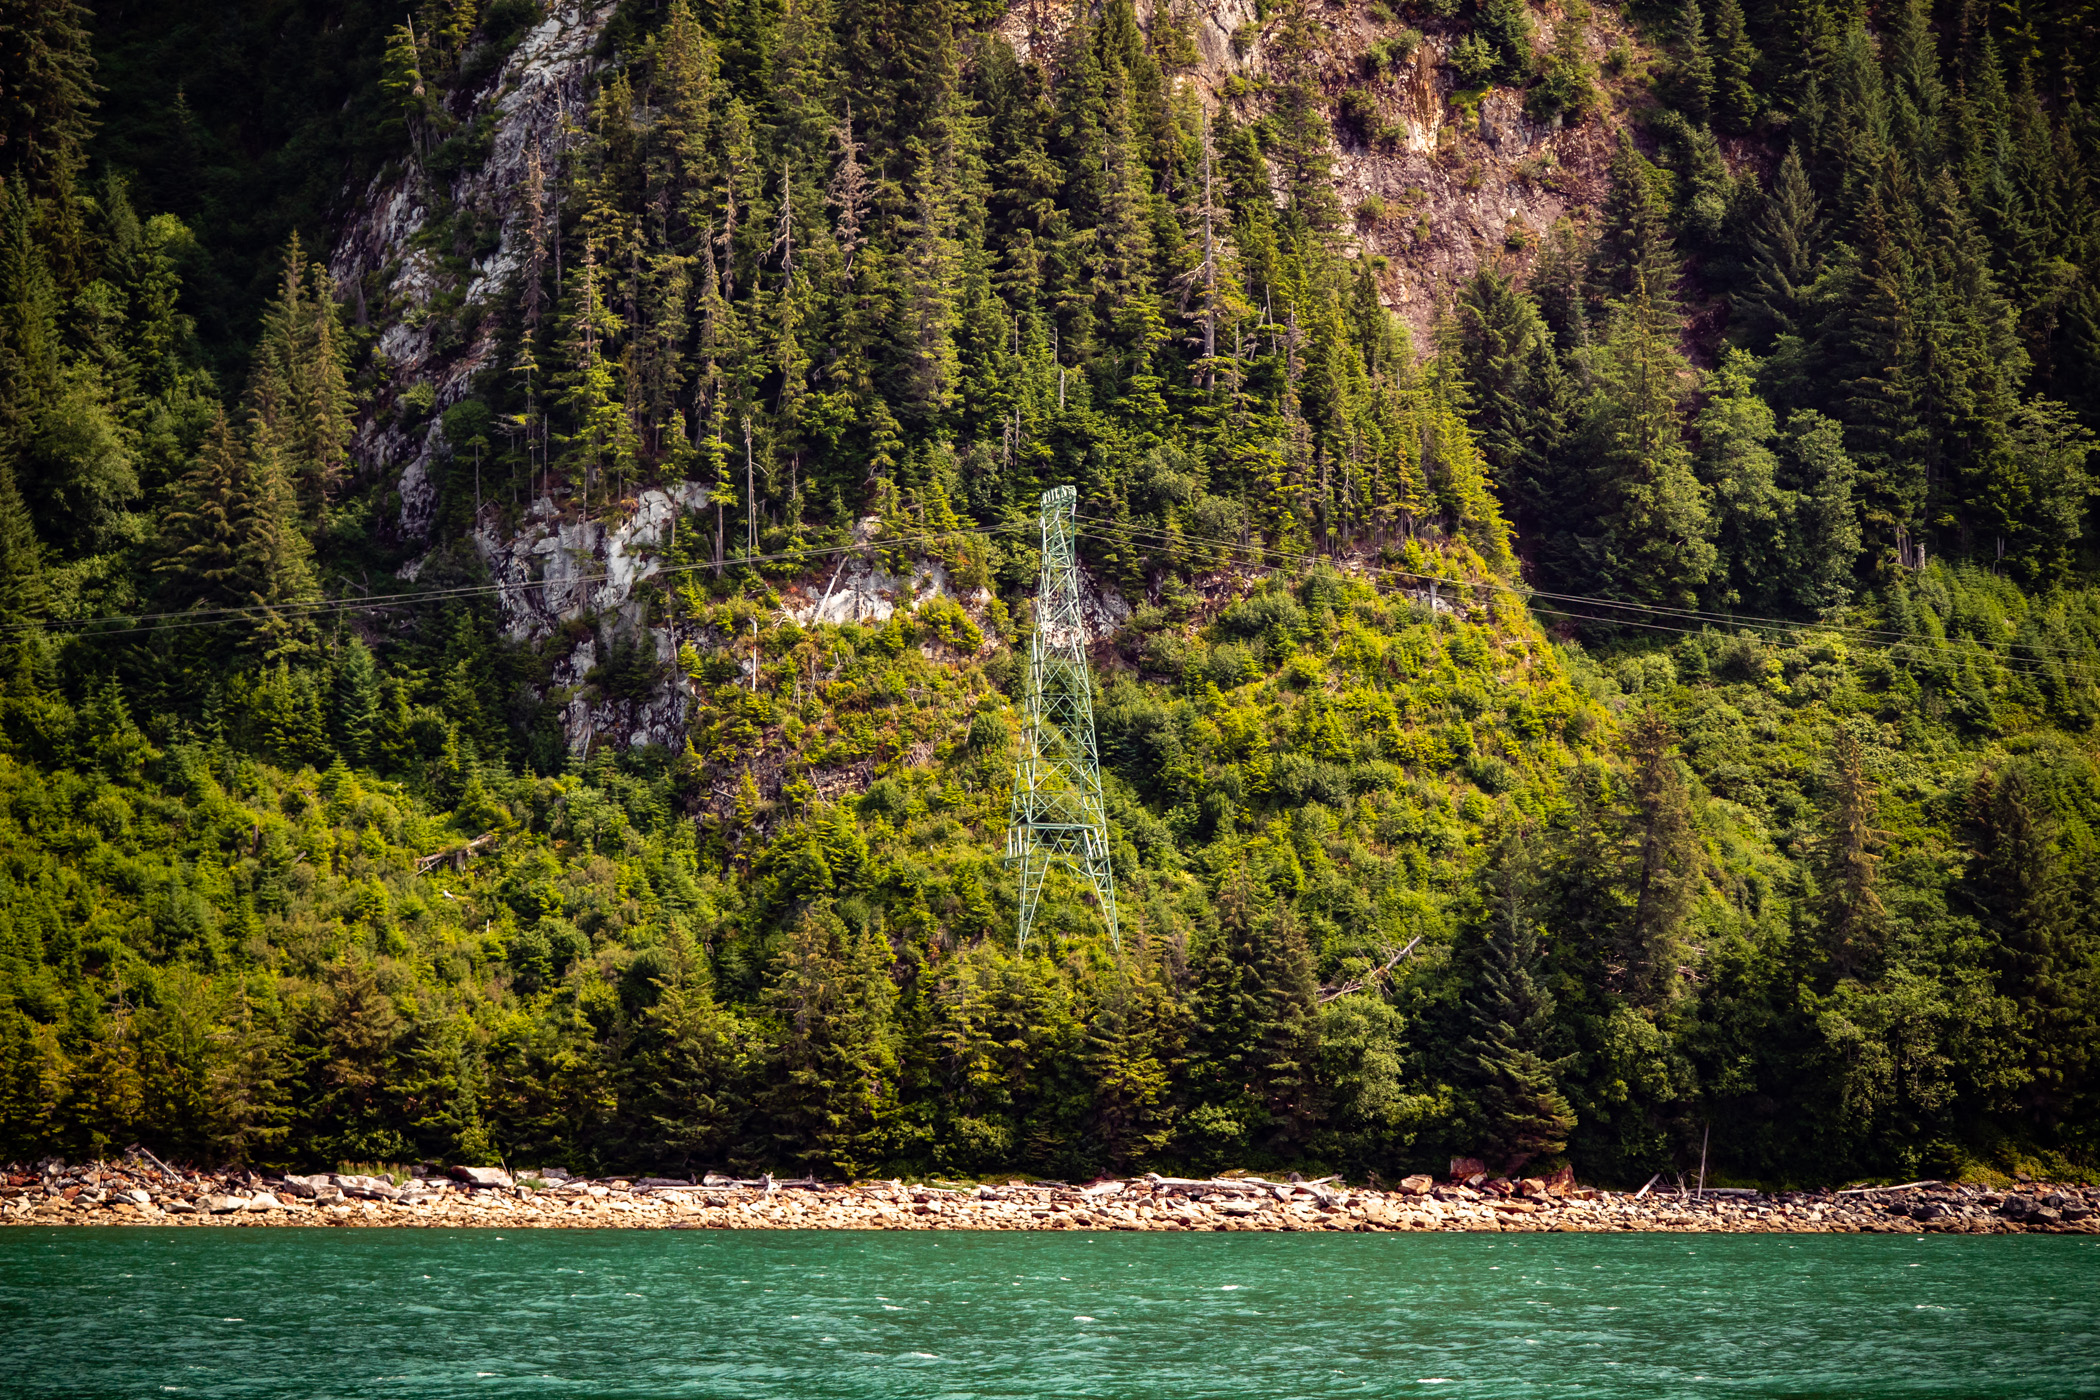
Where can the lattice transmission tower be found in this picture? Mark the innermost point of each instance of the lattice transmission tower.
(1057, 813)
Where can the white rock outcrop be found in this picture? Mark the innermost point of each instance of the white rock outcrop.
(544, 82)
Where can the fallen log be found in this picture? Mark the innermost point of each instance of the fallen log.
(1870, 1190)
(458, 855)
(135, 1150)
(1357, 984)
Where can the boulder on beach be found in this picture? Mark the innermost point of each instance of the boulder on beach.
(484, 1176)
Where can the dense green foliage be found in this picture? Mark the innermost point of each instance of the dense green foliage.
(1406, 869)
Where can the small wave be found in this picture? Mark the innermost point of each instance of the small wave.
(1230, 1287)
(1082, 1319)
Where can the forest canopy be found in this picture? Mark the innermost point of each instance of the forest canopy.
(1654, 708)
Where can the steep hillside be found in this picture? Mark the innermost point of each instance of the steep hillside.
(559, 700)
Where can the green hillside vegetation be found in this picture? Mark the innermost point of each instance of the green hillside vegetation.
(1762, 817)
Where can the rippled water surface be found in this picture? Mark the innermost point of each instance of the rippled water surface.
(328, 1313)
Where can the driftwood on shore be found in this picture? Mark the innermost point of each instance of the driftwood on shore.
(145, 1190)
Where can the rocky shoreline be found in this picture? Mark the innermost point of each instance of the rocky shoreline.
(143, 1191)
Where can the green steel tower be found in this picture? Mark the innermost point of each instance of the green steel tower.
(1057, 812)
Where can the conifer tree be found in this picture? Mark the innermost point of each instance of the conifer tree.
(299, 392)
(1560, 283)
(347, 1041)
(1634, 253)
(1848, 859)
(1736, 103)
(1917, 99)
(1303, 137)
(47, 93)
(357, 704)
(832, 1061)
(699, 1069)
(2022, 889)
(1785, 254)
(250, 1084)
(1736, 463)
(1256, 998)
(1691, 86)
(1823, 540)
(1663, 864)
(1653, 540)
(230, 539)
(1517, 398)
(602, 439)
(1505, 1062)
(21, 566)
(402, 81)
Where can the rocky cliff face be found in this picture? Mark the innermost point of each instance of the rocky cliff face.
(1456, 179)
(1450, 184)
(432, 327)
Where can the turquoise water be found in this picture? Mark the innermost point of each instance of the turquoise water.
(428, 1313)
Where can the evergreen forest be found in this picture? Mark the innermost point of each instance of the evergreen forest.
(1648, 709)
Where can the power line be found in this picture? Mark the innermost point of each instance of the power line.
(1136, 535)
(1673, 620)
(1146, 534)
(1661, 618)
(224, 617)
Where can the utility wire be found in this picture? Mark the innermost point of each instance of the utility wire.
(1662, 618)
(221, 617)
(1881, 638)
(1670, 620)
(1914, 647)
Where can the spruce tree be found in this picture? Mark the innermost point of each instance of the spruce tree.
(832, 1062)
(47, 92)
(1256, 997)
(1653, 540)
(1303, 136)
(1785, 255)
(1634, 253)
(1691, 76)
(1917, 98)
(699, 1065)
(299, 392)
(1517, 399)
(1505, 1062)
(2023, 892)
(1823, 535)
(1848, 858)
(1736, 463)
(1736, 103)
(230, 539)
(1663, 866)
(357, 704)
(22, 593)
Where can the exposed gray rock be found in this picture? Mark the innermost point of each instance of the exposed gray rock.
(368, 1188)
(544, 80)
(482, 1176)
